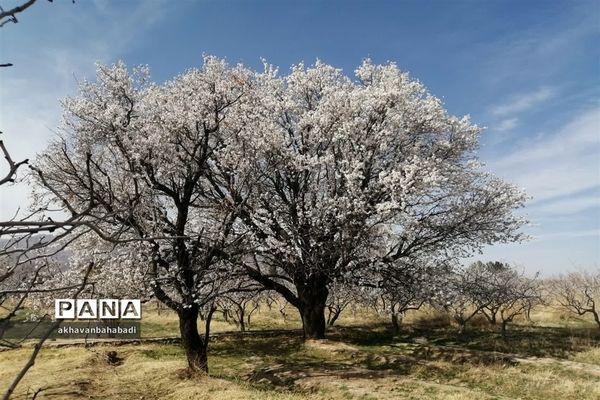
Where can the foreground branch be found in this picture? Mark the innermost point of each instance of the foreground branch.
(40, 343)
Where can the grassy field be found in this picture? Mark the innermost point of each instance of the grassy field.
(557, 357)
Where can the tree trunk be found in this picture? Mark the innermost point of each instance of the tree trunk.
(192, 342)
(241, 318)
(334, 314)
(596, 317)
(396, 323)
(313, 321)
(462, 327)
(490, 315)
(312, 299)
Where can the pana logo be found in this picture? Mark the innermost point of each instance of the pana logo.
(97, 309)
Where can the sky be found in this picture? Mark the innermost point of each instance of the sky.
(527, 71)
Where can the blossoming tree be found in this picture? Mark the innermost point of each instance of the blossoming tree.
(357, 174)
(145, 158)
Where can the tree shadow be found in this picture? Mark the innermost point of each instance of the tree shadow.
(522, 341)
(256, 344)
(281, 360)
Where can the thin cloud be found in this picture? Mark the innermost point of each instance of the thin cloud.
(570, 205)
(578, 137)
(507, 124)
(554, 166)
(541, 51)
(523, 102)
(571, 234)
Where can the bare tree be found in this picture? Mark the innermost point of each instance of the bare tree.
(239, 306)
(29, 243)
(409, 287)
(30, 248)
(459, 297)
(340, 297)
(503, 292)
(578, 292)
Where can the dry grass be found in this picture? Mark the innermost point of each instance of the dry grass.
(361, 360)
(283, 368)
(164, 322)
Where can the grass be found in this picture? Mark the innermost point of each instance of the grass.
(360, 360)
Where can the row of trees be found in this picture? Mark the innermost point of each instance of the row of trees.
(493, 289)
(496, 291)
(224, 180)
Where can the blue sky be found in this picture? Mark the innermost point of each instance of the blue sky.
(529, 71)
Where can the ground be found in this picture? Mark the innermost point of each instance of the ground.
(361, 359)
